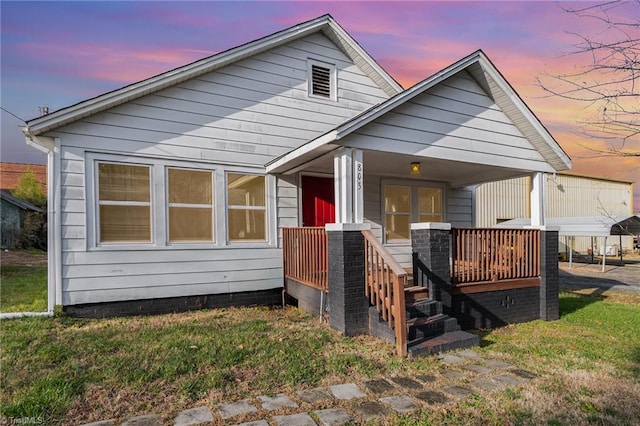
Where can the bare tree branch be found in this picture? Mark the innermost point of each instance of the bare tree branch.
(608, 81)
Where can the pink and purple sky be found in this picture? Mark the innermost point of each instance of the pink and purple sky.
(55, 54)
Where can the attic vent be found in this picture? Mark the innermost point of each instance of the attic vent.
(320, 81)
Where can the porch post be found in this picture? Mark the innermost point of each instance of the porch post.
(549, 274)
(348, 307)
(430, 244)
(537, 196)
(349, 192)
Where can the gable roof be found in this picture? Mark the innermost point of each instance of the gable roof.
(325, 24)
(488, 77)
(10, 174)
(24, 205)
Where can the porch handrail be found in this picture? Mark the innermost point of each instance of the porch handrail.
(490, 254)
(305, 256)
(385, 280)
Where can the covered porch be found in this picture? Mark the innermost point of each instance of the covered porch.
(398, 245)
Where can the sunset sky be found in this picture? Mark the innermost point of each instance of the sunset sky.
(55, 54)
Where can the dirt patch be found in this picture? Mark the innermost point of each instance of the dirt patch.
(22, 258)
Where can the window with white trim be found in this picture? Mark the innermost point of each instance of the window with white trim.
(124, 201)
(136, 202)
(321, 79)
(246, 207)
(406, 204)
(190, 202)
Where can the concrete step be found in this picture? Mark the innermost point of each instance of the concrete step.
(428, 327)
(423, 308)
(445, 342)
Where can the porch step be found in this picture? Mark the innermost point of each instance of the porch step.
(413, 293)
(423, 308)
(428, 327)
(430, 331)
(445, 342)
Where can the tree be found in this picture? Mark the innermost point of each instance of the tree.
(34, 224)
(29, 189)
(608, 84)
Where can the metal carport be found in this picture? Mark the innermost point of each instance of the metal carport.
(591, 226)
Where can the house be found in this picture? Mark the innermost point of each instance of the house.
(179, 191)
(12, 215)
(13, 210)
(567, 195)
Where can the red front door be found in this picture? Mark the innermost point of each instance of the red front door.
(318, 206)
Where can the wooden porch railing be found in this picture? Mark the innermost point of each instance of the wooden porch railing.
(481, 255)
(385, 281)
(306, 256)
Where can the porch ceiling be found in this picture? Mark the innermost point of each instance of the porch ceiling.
(455, 173)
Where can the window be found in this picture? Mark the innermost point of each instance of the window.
(404, 204)
(429, 204)
(190, 198)
(137, 203)
(322, 80)
(124, 201)
(397, 212)
(246, 210)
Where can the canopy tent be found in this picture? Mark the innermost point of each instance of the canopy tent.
(594, 226)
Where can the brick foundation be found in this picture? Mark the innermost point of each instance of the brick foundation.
(497, 308)
(175, 304)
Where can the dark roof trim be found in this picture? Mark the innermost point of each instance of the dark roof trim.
(24, 205)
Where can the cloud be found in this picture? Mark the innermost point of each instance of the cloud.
(114, 63)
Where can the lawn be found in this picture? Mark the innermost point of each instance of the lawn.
(71, 371)
(23, 288)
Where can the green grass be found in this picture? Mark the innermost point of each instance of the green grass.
(591, 330)
(66, 370)
(235, 352)
(23, 288)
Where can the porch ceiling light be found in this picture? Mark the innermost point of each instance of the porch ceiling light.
(415, 168)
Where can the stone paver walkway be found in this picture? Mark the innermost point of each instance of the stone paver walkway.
(463, 374)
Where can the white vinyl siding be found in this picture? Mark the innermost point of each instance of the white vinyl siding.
(454, 120)
(247, 113)
(233, 120)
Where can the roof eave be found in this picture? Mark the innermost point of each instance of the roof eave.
(386, 106)
(64, 116)
(325, 23)
(561, 161)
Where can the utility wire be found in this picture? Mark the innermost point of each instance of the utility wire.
(10, 113)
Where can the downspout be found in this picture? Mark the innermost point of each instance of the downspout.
(54, 290)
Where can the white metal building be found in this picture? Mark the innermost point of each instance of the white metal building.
(566, 195)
